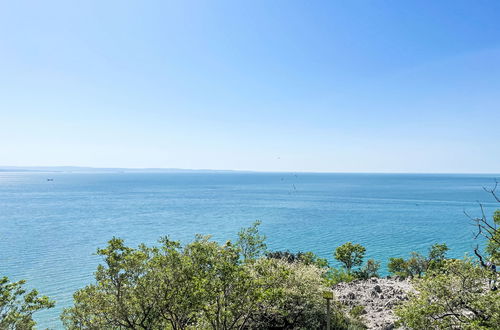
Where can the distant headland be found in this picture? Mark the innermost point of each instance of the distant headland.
(83, 169)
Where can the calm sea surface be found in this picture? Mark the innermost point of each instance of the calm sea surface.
(49, 230)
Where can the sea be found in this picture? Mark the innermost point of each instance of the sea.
(52, 223)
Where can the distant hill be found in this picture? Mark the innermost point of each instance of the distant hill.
(80, 169)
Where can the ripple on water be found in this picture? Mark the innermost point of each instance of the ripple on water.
(50, 230)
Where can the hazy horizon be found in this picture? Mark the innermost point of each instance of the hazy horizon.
(76, 169)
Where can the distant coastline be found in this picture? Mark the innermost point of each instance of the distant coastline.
(88, 169)
(81, 169)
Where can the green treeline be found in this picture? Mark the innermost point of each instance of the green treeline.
(205, 285)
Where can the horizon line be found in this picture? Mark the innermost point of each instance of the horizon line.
(43, 168)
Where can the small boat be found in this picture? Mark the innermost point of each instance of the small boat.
(50, 179)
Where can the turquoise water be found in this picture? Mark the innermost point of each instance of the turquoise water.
(49, 230)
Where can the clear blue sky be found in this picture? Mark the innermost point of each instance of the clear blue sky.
(370, 86)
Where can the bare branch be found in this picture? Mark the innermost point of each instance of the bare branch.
(476, 252)
(492, 191)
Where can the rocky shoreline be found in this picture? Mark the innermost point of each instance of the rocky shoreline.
(377, 296)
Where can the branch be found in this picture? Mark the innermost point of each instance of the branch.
(476, 252)
(493, 191)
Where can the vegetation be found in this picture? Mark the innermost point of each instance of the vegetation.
(204, 285)
(251, 243)
(490, 230)
(308, 258)
(493, 246)
(350, 255)
(207, 285)
(453, 297)
(369, 270)
(335, 276)
(17, 305)
(457, 294)
(295, 300)
(417, 264)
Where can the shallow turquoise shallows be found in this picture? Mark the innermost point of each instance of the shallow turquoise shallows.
(49, 230)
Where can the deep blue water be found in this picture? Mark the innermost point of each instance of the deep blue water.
(49, 230)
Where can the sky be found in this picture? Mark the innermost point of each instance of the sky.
(327, 86)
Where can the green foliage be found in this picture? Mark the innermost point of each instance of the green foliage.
(493, 245)
(369, 270)
(152, 288)
(453, 297)
(251, 242)
(283, 255)
(489, 230)
(437, 252)
(335, 276)
(453, 294)
(357, 311)
(397, 266)
(226, 290)
(123, 295)
(437, 256)
(293, 297)
(202, 285)
(308, 258)
(17, 306)
(417, 264)
(350, 255)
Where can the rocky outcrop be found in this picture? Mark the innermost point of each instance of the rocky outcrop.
(377, 296)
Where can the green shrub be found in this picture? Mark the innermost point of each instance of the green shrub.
(493, 246)
(454, 297)
(308, 258)
(335, 276)
(350, 255)
(417, 264)
(17, 306)
(204, 285)
(369, 270)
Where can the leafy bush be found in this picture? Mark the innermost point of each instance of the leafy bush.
(293, 297)
(454, 297)
(493, 246)
(350, 255)
(308, 258)
(17, 306)
(335, 276)
(204, 285)
(398, 267)
(357, 311)
(250, 242)
(369, 270)
(417, 264)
